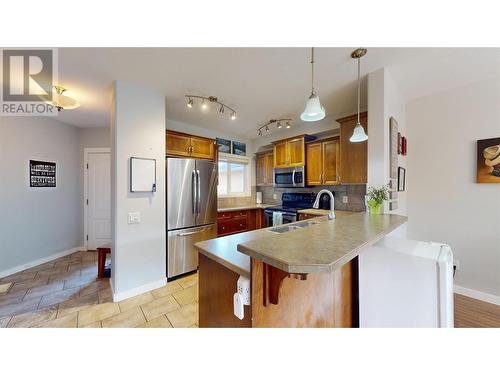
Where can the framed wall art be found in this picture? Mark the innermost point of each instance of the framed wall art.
(488, 161)
(393, 157)
(224, 145)
(239, 148)
(42, 174)
(401, 179)
(142, 175)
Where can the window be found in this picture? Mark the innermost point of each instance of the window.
(234, 179)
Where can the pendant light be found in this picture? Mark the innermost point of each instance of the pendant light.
(313, 111)
(359, 134)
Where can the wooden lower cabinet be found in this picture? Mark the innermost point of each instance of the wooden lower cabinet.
(317, 300)
(233, 222)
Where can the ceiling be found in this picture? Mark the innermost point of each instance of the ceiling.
(260, 83)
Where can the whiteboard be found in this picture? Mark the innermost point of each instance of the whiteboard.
(142, 175)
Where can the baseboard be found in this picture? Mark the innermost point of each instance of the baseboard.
(37, 262)
(485, 297)
(117, 297)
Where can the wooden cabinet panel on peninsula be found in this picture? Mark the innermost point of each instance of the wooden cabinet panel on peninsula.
(353, 156)
(323, 162)
(264, 169)
(186, 145)
(290, 152)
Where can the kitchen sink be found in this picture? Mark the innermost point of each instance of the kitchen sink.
(303, 224)
(284, 229)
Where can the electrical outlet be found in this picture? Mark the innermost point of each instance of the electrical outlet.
(456, 263)
(345, 199)
(275, 196)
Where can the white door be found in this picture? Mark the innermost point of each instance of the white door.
(99, 200)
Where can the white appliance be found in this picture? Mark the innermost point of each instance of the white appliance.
(404, 283)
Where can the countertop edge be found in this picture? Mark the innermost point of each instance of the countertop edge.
(260, 206)
(223, 262)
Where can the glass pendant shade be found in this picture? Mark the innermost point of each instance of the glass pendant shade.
(313, 111)
(359, 134)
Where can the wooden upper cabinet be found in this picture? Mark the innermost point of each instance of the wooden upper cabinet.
(185, 145)
(264, 169)
(323, 162)
(314, 163)
(331, 162)
(290, 152)
(202, 148)
(280, 155)
(178, 144)
(353, 156)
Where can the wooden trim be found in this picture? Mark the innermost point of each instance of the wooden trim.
(302, 136)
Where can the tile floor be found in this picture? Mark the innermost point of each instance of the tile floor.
(66, 293)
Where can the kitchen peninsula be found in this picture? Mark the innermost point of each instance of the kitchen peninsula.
(302, 274)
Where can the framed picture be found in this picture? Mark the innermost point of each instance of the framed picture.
(404, 146)
(401, 178)
(224, 145)
(488, 161)
(142, 175)
(393, 195)
(42, 174)
(393, 157)
(393, 205)
(393, 185)
(239, 148)
(400, 144)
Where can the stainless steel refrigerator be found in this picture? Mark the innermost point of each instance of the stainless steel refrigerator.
(191, 211)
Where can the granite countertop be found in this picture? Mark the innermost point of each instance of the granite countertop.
(318, 212)
(319, 248)
(322, 247)
(254, 206)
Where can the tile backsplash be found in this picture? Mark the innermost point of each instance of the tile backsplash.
(237, 201)
(355, 193)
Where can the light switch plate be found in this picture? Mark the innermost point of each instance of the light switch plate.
(275, 196)
(134, 217)
(345, 199)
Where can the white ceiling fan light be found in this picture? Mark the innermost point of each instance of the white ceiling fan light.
(313, 111)
(358, 135)
(61, 101)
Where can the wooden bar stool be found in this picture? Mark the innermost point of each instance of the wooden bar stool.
(101, 259)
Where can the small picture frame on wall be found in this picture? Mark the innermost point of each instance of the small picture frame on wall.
(224, 145)
(401, 179)
(393, 195)
(488, 161)
(393, 185)
(239, 148)
(400, 143)
(393, 205)
(142, 175)
(42, 174)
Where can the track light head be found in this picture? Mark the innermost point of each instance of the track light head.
(279, 125)
(190, 103)
(288, 125)
(221, 110)
(233, 116)
(204, 105)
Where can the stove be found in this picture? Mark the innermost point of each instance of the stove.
(290, 204)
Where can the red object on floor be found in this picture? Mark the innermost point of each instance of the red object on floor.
(101, 259)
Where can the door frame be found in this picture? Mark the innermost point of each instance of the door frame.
(86, 152)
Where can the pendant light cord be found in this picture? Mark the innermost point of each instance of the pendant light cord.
(312, 69)
(359, 85)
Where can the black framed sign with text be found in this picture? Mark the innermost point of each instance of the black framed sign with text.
(42, 173)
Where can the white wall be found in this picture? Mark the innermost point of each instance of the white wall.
(37, 222)
(385, 101)
(445, 204)
(138, 251)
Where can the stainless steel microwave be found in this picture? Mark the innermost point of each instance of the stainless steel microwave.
(289, 177)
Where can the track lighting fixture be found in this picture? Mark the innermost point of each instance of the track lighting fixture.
(278, 122)
(205, 100)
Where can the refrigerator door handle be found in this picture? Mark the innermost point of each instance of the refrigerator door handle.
(190, 233)
(198, 193)
(194, 198)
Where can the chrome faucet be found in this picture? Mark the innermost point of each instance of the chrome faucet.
(331, 215)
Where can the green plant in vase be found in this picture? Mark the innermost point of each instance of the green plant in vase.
(376, 198)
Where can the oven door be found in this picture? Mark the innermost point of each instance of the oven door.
(287, 218)
(288, 177)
